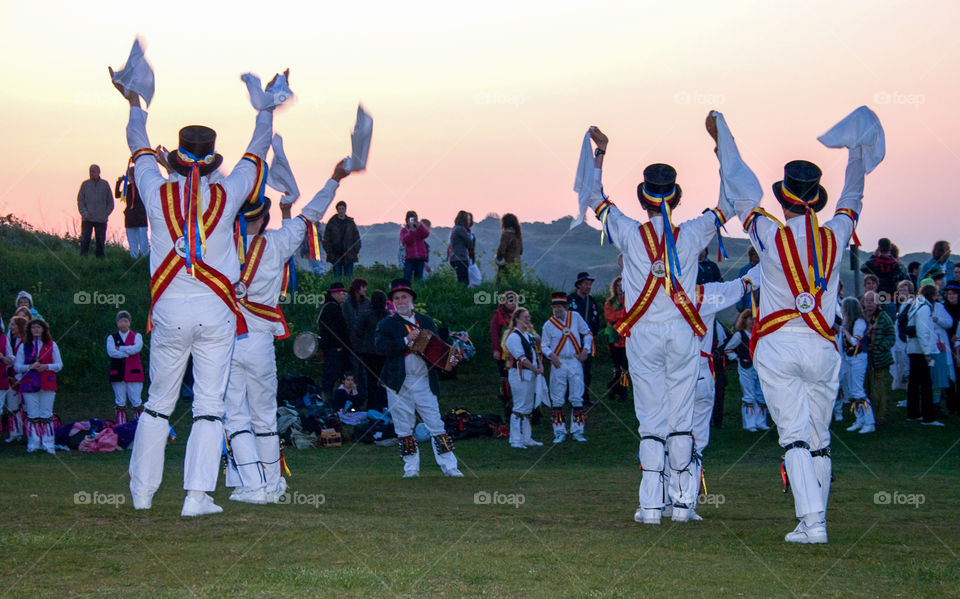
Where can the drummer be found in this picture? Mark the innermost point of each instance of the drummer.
(412, 385)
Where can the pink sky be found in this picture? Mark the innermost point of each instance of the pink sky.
(483, 108)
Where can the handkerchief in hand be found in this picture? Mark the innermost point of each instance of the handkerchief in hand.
(360, 141)
(269, 98)
(137, 74)
(280, 175)
(861, 128)
(583, 183)
(739, 182)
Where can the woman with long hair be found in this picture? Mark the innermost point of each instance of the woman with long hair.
(38, 360)
(413, 237)
(753, 408)
(525, 365)
(460, 251)
(16, 421)
(615, 311)
(855, 357)
(511, 244)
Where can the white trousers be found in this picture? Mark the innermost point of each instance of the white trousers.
(415, 398)
(204, 327)
(138, 241)
(664, 366)
(703, 399)
(567, 378)
(799, 374)
(39, 404)
(524, 391)
(127, 392)
(251, 406)
(854, 374)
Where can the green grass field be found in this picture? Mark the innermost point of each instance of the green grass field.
(559, 523)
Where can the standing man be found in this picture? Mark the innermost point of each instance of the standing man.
(251, 401)
(566, 341)
(707, 269)
(412, 385)
(582, 303)
(334, 339)
(882, 336)
(663, 328)
(796, 354)
(134, 214)
(341, 242)
(95, 205)
(194, 311)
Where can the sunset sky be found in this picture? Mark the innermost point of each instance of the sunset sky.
(483, 107)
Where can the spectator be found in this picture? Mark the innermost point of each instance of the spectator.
(95, 204)
(341, 242)
(939, 279)
(939, 257)
(913, 272)
(355, 304)
(474, 276)
(346, 395)
(871, 283)
(881, 338)
(461, 247)
(707, 271)
(25, 301)
(752, 260)
(942, 375)
(376, 395)
(951, 303)
(753, 408)
(614, 312)
(511, 245)
(334, 339)
(581, 302)
(134, 215)
(855, 344)
(921, 348)
(885, 265)
(426, 244)
(901, 360)
(412, 238)
(499, 325)
(956, 272)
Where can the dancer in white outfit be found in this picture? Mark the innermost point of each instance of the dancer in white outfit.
(855, 344)
(567, 343)
(525, 367)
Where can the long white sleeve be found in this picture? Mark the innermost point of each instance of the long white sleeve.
(112, 350)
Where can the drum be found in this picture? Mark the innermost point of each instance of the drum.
(305, 346)
(434, 351)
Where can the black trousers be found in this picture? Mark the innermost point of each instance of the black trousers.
(461, 268)
(86, 228)
(920, 389)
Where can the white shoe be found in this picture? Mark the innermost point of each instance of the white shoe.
(411, 474)
(667, 510)
(854, 427)
(142, 502)
(579, 438)
(643, 516)
(453, 473)
(518, 445)
(902, 403)
(532, 443)
(838, 412)
(933, 423)
(685, 514)
(559, 437)
(868, 428)
(808, 534)
(275, 495)
(752, 429)
(199, 507)
(12, 438)
(256, 496)
(763, 426)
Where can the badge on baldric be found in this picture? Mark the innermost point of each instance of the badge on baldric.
(659, 269)
(565, 331)
(806, 302)
(240, 289)
(180, 247)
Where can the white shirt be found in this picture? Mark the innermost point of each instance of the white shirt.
(920, 315)
(221, 253)
(719, 296)
(124, 351)
(414, 365)
(515, 346)
(578, 328)
(20, 366)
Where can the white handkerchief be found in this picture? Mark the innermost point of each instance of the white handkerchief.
(541, 392)
(280, 175)
(137, 74)
(861, 128)
(360, 141)
(739, 182)
(269, 98)
(583, 183)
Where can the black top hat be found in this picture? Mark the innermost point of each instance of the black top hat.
(659, 183)
(558, 297)
(581, 277)
(400, 285)
(338, 286)
(196, 145)
(251, 211)
(800, 187)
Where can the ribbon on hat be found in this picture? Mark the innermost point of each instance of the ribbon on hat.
(195, 237)
(672, 262)
(719, 220)
(313, 238)
(815, 269)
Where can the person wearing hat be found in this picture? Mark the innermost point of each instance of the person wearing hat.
(663, 328)
(334, 339)
(126, 370)
(566, 341)
(25, 300)
(251, 401)
(795, 349)
(412, 385)
(581, 302)
(194, 311)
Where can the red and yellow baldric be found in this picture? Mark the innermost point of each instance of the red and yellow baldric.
(566, 334)
(655, 250)
(269, 313)
(800, 281)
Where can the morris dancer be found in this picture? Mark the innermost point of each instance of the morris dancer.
(795, 351)
(16, 415)
(525, 364)
(412, 385)
(567, 342)
(251, 401)
(38, 360)
(194, 267)
(126, 370)
(663, 328)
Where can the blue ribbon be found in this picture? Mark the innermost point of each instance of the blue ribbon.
(292, 287)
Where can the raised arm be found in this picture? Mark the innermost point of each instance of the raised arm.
(288, 238)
